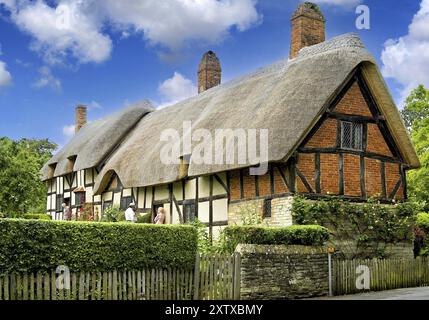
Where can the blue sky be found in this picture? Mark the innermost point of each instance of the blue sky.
(106, 54)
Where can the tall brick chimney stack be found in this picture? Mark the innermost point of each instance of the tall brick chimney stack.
(209, 72)
(308, 27)
(80, 117)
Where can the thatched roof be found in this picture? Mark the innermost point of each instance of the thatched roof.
(95, 141)
(287, 97)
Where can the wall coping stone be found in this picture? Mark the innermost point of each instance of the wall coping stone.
(280, 249)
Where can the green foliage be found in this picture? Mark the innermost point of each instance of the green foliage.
(310, 235)
(144, 218)
(416, 117)
(36, 245)
(205, 244)
(20, 163)
(37, 216)
(87, 213)
(422, 233)
(113, 214)
(250, 215)
(423, 221)
(372, 224)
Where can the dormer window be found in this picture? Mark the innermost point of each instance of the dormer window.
(351, 136)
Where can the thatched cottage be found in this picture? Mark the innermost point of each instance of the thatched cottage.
(332, 129)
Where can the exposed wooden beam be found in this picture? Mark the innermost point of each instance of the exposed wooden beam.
(304, 180)
(341, 173)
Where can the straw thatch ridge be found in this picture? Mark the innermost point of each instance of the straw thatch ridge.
(95, 141)
(287, 98)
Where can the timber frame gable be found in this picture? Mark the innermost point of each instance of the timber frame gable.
(375, 119)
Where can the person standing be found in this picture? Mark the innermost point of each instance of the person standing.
(160, 217)
(67, 211)
(130, 214)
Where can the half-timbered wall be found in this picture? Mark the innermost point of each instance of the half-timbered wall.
(61, 189)
(324, 167)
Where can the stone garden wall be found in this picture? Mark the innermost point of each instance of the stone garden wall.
(283, 272)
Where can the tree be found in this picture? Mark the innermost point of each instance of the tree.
(21, 190)
(416, 118)
(416, 107)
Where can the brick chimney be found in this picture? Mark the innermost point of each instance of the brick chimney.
(307, 27)
(80, 117)
(209, 72)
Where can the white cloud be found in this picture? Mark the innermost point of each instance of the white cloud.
(68, 131)
(175, 89)
(5, 76)
(65, 29)
(78, 28)
(173, 24)
(339, 3)
(47, 79)
(406, 59)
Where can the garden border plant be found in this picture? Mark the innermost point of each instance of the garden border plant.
(37, 245)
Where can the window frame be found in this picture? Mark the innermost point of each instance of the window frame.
(352, 131)
(191, 204)
(125, 202)
(267, 209)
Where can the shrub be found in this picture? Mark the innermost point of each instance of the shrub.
(378, 222)
(423, 221)
(421, 234)
(310, 235)
(37, 216)
(33, 245)
(144, 218)
(113, 214)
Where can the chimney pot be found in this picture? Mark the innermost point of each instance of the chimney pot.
(80, 117)
(209, 72)
(307, 27)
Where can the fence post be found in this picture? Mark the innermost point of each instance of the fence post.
(331, 250)
(197, 277)
(237, 276)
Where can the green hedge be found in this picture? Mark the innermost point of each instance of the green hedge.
(421, 236)
(309, 235)
(144, 218)
(32, 245)
(37, 216)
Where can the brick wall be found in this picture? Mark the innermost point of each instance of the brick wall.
(325, 136)
(235, 184)
(329, 175)
(373, 181)
(351, 164)
(353, 103)
(392, 177)
(279, 185)
(306, 165)
(282, 272)
(376, 142)
(263, 182)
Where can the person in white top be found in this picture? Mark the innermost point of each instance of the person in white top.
(130, 214)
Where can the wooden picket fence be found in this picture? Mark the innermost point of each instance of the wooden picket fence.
(214, 278)
(384, 274)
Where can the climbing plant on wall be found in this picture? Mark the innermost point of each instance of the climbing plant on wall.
(361, 230)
